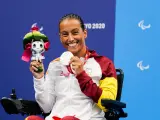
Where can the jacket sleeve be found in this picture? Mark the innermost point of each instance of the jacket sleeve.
(107, 85)
(44, 89)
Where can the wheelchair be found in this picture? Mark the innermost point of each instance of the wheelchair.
(14, 105)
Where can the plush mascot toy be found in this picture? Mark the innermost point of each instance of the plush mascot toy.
(35, 44)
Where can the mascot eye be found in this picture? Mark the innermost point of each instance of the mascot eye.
(41, 45)
(34, 45)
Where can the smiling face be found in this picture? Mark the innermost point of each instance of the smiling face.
(73, 36)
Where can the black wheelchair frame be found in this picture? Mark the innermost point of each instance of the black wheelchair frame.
(14, 105)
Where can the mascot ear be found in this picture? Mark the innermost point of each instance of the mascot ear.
(41, 40)
(32, 40)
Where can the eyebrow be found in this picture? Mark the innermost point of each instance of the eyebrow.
(71, 30)
(75, 29)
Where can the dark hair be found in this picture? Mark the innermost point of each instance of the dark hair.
(73, 16)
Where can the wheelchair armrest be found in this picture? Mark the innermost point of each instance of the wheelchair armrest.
(115, 108)
(10, 106)
(19, 106)
(16, 106)
(113, 104)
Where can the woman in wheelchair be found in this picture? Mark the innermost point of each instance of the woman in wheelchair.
(74, 90)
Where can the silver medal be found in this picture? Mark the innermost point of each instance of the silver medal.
(65, 58)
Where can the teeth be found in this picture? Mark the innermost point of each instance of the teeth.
(73, 44)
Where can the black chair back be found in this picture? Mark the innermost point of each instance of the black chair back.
(120, 77)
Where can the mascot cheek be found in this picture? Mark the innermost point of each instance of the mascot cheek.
(33, 117)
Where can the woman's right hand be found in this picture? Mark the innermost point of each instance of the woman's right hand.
(34, 67)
